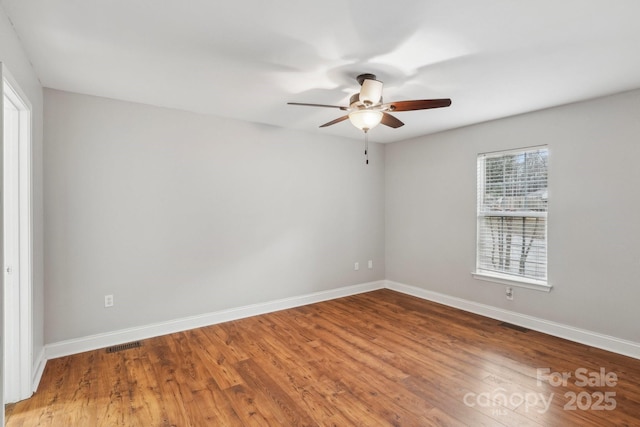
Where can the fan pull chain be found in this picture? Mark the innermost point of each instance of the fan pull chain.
(366, 146)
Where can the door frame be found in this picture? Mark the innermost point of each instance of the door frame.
(22, 359)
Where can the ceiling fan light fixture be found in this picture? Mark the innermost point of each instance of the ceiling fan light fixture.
(371, 92)
(366, 109)
(365, 120)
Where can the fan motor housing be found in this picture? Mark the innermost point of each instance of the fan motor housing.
(354, 101)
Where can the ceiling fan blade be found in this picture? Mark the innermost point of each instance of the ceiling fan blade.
(418, 104)
(317, 105)
(333, 122)
(389, 120)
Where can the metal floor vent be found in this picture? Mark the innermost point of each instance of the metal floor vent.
(514, 327)
(121, 347)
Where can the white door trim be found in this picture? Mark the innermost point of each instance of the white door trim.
(23, 387)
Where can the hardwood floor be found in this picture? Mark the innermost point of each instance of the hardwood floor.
(375, 359)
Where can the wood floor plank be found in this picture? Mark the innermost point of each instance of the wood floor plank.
(375, 359)
(291, 367)
(284, 408)
(149, 405)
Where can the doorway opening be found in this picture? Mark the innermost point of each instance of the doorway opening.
(17, 226)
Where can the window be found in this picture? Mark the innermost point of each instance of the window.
(512, 217)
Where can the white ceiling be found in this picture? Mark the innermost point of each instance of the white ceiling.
(246, 59)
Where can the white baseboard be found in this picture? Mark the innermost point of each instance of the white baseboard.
(594, 339)
(93, 342)
(38, 369)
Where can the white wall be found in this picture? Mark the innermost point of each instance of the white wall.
(594, 255)
(178, 214)
(15, 60)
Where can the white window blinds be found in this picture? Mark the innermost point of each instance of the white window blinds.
(512, 213)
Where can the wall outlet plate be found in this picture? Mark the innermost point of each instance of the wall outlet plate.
(509, 293)
(108, 300)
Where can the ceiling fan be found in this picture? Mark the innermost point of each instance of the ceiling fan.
(367, 110)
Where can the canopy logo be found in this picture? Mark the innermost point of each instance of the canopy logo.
(499, 400)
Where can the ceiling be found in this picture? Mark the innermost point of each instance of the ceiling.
(246, 59)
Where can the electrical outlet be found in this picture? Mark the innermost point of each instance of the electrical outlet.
(356, 266)
(370, 265)
(509, 293)
(108, 300)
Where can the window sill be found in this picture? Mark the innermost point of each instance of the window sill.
(537, 285)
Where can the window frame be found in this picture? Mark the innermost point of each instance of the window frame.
(499, 277)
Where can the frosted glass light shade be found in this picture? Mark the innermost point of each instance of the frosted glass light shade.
(371, 92)
(365, 119)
